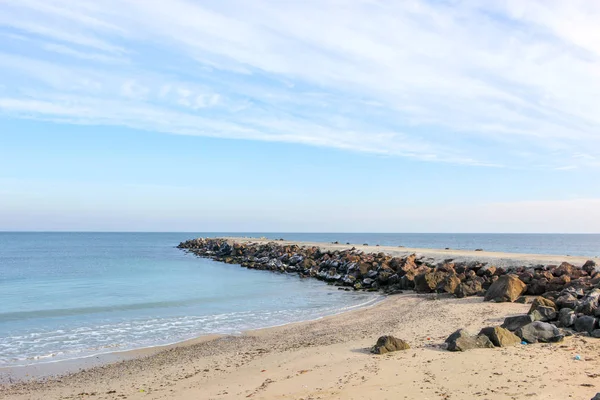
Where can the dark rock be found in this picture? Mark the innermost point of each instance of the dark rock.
(596, 397)
(506, 288)
(427, 282)
(566, 269)
(590, 267)
(541, 301)
(500, 337)
(585, 324)
(544, 314)
(386, 344)
(461, 340)
(523, 300)
(589, 303)
(566, 317)
(595, 333)
(539, 332)
(449, 284)
(517, 321)
(468, 288)
(567, 300)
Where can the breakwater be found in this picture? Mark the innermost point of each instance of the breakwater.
(568, 295)
(355, 269)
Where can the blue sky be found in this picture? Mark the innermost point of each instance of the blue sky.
(408, 116)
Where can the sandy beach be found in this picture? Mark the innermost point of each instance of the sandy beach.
(329, 358)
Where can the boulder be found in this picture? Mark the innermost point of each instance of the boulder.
(566, 269)
(589, 303)
(566, 317)
(506, 288)
(517, 321)
(449, 284)
(542, 313)
(387, 344)
(590, 267)
(468, 288)
(461, 340)
(427, 282)
(567, 300)
(541, 301)
(539, 332)
(500, 337)
(585, 324)
(595, 333)
(596, 397)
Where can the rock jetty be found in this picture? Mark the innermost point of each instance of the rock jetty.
(568, 286)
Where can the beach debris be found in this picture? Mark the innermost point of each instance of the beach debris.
(507, 288)
(577, 357)
(387, 344)
(539, 332)
(500, 337)
(461, 340)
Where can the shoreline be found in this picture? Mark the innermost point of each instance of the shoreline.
(56, 368)
(329, 358)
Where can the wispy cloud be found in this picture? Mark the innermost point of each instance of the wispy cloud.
(511, 82)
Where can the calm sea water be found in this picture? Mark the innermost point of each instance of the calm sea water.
(69, 295)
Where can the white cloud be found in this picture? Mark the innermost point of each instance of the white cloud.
(512, 82)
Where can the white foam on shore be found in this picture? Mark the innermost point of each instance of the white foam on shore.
(83, 342)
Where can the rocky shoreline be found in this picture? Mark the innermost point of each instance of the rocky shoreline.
(568, 295)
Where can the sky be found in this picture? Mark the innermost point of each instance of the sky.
(291, 116)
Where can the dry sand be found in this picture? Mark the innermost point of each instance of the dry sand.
(437, 255)
(329, 358)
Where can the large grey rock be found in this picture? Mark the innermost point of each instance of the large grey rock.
(461, 340)
(506, 288)
(500, 337)
(567, 300)
(386, 344)
(596, 397)
(585, 324)
(566, 317)
(589, 303)
(543, 313)
(516, 321)
(539, 332)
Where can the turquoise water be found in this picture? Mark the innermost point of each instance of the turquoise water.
(72, 295)
(69, 295)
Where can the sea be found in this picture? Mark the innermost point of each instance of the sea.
(72, 295)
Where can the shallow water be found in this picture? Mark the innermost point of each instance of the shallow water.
(72, 295)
